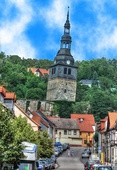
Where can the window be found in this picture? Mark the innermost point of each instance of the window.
(80, 133)
(69, 71)
(75, 132)
(65, 70)
(88, 133)
(65, 132)
(65, 90)
(55, 131)
(69, 132)
(53, 70)
(85, 141)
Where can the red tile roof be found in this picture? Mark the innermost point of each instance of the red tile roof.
(41, 70)
(10, 95)
(85, 126)
(2, 90)
(38, 119)
(102, 126)
(112, 117)
(44, 71)
(88, 117)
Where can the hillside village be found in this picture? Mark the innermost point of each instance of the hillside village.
(79, 130)
(91, 118)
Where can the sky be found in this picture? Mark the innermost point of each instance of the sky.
(33, 28)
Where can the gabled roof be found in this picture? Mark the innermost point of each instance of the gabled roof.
(37, 123)
(44, 71)
(64, 123)
(41, 70)
(39, 116)
(85, 126)
(2, 90)
(112, 117)
(10, 95)
(87, 117)
(86, 81)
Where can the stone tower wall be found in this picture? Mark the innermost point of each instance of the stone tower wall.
(61, 89)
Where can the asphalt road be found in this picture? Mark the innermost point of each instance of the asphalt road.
(71, 163)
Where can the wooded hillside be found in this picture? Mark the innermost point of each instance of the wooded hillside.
(98, 99)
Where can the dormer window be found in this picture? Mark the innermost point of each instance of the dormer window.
(81, 119)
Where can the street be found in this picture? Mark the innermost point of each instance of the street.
(71, 163)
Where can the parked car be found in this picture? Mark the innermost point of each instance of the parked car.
(40, 165)
(52, 163)
(54, 158)
(68, 145)
(104, 167)
(85, 155)
(45, 163)
(64, 146)
(56, 152)
(88, 165)
(61, 148)
(88, 150)
(48, 162)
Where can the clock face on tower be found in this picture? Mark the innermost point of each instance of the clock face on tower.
(68, 61)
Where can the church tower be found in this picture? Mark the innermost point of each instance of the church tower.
(63, 74)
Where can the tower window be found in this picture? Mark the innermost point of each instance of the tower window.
(69, 71)
(65, 70)
(65, 90)
(53, 70)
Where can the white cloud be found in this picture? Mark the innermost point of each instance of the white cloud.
(55, 14)
(100, 37)
(12, 37)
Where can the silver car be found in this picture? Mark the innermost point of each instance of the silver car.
(85, 155)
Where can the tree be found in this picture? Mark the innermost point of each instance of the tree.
(95, 81)
(10, 145)
(45, 145)
(64, 108)
(81, 107)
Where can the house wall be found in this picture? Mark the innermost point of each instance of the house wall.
(1, 98)
(72, 139)
(9, 104)
(86, 138)
(18, 113)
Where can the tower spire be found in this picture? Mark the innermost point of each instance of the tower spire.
(68, 14)
(67, 24)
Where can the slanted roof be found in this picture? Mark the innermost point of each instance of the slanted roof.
(87, 117)
(64, 123)
(39, 118)
(37, 123)
(32, 69)
(112, 117)
(86, 81)
(10, 95)
(2, 90)
(42, 71)
(85, 126)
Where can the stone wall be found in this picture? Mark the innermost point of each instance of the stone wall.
(45, 106)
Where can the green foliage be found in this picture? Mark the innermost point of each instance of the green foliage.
(64, 108)
(101, 96)
(45, 145)
(81, 107)
(10, 147)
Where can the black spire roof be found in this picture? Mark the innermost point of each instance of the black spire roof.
(64, 54)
